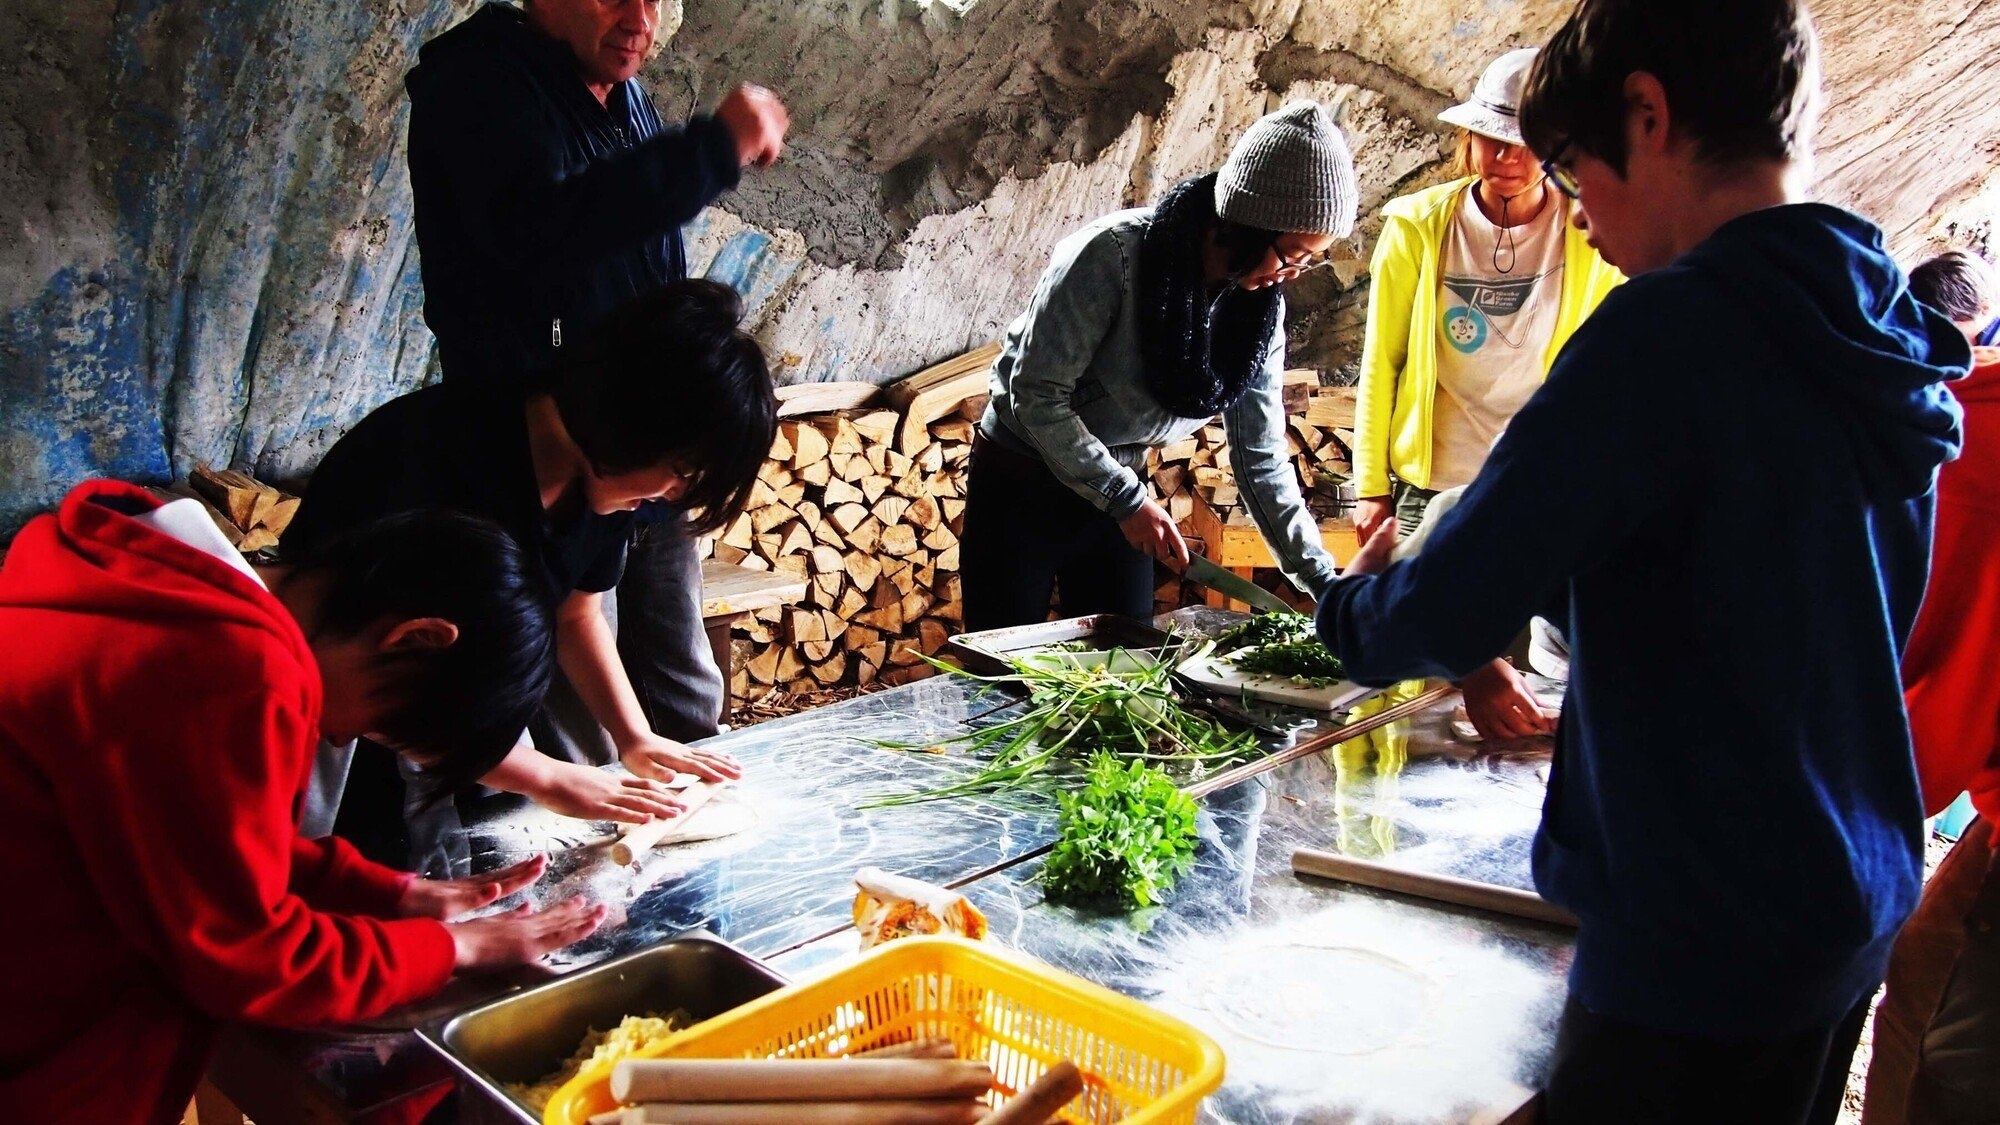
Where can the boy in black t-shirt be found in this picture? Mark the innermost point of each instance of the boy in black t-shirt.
(671, 401)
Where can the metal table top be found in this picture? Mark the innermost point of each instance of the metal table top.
(785, 884)
(1333, 1003)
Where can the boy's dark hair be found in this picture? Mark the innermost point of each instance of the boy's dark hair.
(671, 374)
(1957, 283)
(462, 706)
(1741, 78)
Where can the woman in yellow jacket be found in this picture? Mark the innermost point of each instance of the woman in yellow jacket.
(1477, 284)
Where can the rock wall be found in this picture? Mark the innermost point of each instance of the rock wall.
(205, 241)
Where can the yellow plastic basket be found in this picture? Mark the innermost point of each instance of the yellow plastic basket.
(1140, 1067)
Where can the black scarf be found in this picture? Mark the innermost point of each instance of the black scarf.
(1200, 357)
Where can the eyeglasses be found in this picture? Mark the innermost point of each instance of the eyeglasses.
(1563, 177)
(1305, 263)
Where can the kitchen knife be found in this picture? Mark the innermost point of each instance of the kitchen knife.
(1204, 573)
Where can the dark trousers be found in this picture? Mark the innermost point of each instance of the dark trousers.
(1411, 503)
(660, 637)
(1609, 1072)
(1027, 534)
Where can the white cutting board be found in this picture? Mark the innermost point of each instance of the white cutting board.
(1225, 679)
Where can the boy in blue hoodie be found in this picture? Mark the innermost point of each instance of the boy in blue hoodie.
(1723, 494)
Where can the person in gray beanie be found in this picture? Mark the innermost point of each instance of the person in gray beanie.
(1147, 324)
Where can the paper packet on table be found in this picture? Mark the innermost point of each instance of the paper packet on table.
(888, 907)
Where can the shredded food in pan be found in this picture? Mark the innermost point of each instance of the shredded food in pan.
(631, 1034)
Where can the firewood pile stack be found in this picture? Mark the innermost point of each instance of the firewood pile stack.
(863, 499)
(865, 504)
(1319, 437)
(250, 514)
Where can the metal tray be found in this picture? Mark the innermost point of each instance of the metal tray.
(529, 1034)
(984, 652)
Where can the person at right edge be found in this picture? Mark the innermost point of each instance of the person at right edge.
(1936, 1055)
(1733, 811)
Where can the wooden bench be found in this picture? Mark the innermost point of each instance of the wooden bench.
(730, 593)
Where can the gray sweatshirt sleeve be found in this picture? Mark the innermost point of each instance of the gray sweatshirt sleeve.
(1073, 310)
(1267, 482)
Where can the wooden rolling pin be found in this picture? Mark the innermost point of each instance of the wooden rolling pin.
(797, 1080)
(891, 1112)
(1041, 1101)
(640, 838)
(1438, 888)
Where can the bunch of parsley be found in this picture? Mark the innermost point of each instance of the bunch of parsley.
(1126, 837)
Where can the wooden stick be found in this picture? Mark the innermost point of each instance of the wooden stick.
(1438, 888)
(1041, 1101)
(899, 1112)
(640, 838)
(797, 1080)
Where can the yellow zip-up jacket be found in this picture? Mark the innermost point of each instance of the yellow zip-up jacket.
(1399, 364)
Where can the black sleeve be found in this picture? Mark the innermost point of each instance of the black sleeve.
(606, 569)
(489, 134)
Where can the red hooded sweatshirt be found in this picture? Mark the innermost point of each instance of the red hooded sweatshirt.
(1950, 683)
(158, 715)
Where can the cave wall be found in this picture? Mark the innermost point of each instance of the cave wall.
(205, 241)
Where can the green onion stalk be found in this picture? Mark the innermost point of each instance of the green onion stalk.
(1073, 713)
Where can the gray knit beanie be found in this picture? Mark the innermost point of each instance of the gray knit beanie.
(1290, 172)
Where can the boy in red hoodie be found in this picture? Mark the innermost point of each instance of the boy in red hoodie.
(1937, 1032)
(160, 703)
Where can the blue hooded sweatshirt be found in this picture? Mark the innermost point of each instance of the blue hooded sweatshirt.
(1723, 492)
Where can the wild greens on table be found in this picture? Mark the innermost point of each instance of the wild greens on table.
(1075, 711)
(1126, 837)
(1281, 644)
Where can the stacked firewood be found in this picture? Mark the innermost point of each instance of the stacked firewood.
(250, 514)
(863, 500)
(1319, 437)
(865, 505)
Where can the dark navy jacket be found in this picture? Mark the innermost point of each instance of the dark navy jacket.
(538, 209)
(1724, 492)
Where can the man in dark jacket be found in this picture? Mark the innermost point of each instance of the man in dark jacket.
(1724, 491)
(549, 192)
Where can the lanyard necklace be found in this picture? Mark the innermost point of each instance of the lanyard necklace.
(1506, 236)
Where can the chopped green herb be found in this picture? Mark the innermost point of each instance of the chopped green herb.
(1284, 645)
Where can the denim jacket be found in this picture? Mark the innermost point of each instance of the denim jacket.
(1069, 389)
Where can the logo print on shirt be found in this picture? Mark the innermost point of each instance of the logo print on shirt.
(1493, 298)
(1464, 328)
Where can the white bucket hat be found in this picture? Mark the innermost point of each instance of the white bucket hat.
(1494, 110)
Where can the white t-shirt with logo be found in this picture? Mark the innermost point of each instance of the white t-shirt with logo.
(1499, 294)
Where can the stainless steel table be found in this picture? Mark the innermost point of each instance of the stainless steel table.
(1333, 1003)
(782, 890)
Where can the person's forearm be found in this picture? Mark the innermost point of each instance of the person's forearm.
(1269, 484)
(524, 770)
(1270, 490)
(588, 654)
(1077, 457)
